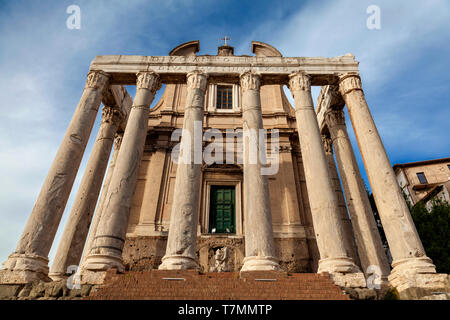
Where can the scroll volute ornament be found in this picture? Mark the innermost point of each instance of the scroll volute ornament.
(148, 80)
(348, 83)
(97, 79)
(250, 81)
(197, 80)
(299, 81)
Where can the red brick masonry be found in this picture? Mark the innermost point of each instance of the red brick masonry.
(191, 285)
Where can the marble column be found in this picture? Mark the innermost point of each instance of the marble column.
(74, 237)
(106, 250)
(259, 245)
(182, 238)
(368, 240)
(101, 201)
(349, 238)
(29, 261)
(323, 202)
(404, 242)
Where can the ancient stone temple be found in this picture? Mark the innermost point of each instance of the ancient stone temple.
(246, 201)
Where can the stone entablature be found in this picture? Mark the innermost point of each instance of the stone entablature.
(172, 69)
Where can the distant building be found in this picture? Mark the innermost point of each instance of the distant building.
(424, 180)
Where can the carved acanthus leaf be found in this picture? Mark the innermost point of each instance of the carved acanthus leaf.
(348, 83)
(335, 118)
(299, 81)
(197, 80)
(97, 79)
(148, 80)
(250, 81)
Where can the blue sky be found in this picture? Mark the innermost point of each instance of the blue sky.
(404, 67)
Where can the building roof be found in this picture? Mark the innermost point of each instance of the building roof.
(420, 163)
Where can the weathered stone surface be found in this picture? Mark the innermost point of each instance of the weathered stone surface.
(34, 245)
(106, 252)
(173, 68)
(73, 239)
(404, 242)
(9, 290)
(180, 252)
(38, 290)
(367, 237)
(322, 198)
(259, 245)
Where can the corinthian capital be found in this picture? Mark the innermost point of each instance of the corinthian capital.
(97, 79)
(334, 118)
(250, 81)
(348, 83)
(197, 80)
(112, 115)
(148, 80)
(299, 81)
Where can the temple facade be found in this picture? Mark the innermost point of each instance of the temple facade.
(289, 199)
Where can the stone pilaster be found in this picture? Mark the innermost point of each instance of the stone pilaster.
(322, 198)
(106, 251)
(29, 261)
(368, 241)
(259, 245)
(74, 236)
(181, 242)
(409, 259)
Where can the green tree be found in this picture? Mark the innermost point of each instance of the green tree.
(434, 231)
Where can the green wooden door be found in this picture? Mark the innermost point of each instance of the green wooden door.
(221, 211)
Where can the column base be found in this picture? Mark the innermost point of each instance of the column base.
(343, 271)
(102, 262)
(178, 262)
(338, 265)
(257, 263)
(416, 277)
(24, 268)
(57, 276)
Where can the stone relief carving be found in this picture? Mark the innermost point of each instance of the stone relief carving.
(221, 260)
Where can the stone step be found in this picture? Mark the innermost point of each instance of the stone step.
(191, 285)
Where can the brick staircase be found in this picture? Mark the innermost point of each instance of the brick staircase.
(191, 285)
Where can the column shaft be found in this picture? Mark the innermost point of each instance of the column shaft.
(74, 236)
(404, 242)
(349, 238)
(182, 238)
(103, 195)
(368, 240)
(106, 251)
(322, 198)
(259, 245)
(29, 261)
